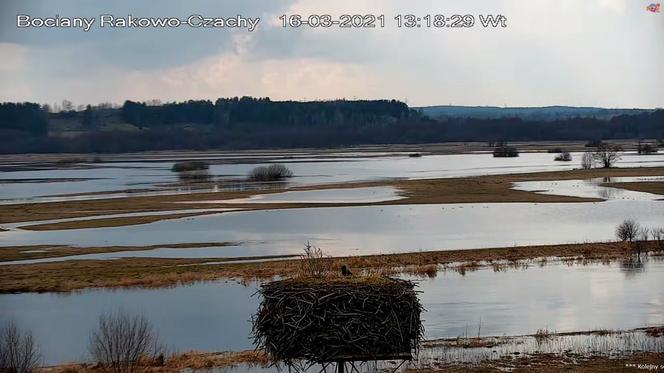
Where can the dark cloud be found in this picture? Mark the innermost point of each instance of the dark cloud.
(142, 49)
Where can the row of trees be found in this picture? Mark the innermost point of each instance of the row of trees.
(637, 236)
(228, 112)
(26, 117)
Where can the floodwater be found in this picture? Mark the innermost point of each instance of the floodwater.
(368, 229)
(215, 316)
(592, 188)
(121, 177)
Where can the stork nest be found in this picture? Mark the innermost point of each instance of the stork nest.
(326, 320)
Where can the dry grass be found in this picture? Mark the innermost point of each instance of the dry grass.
(12, 253)
(193, 360)
(653, 187)
(204, 361)
(110, 222)
(423, 270)
(157, 272)
(547, 363)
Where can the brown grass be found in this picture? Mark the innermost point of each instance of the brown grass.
(198, 360)
(655, 331)
(193, 360)
(423, 270)
(12, 253)
(483, 189)
(110, 222)
(156, 272)
(653, 187)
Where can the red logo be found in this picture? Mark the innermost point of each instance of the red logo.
(653, 8)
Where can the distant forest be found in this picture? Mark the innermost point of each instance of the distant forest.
(237, 123)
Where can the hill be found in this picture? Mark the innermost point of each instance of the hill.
(546, 113)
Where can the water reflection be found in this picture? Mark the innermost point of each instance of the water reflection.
(120, 176)
(370, 229)
(214, 316)
(590, 188)
(634, 265)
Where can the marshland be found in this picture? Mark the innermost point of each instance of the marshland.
(517, 260)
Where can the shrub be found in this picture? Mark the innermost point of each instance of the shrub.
(563, 157)
(273, 172)
(121, 341)
(314, 264)
(192, 170)
(505, 151)
(18, 351)
(647, 149)
(189, 166)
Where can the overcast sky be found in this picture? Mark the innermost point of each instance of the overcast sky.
(554, 52)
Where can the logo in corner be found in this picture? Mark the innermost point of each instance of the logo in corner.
(653, 8)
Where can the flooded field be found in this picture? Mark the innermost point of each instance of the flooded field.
(156, 177)
(215, 316)
(506, 305)
(366, 230)
(592, 188)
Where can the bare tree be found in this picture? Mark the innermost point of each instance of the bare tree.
(607, 154)
(18, 350)
(314, 264)
(587, 161)
(658, 237)
(121, 341)
(628, 230)
(67, 105)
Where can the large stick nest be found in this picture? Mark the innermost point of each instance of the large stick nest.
(325, 320)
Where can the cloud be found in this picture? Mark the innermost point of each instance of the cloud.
(132, 48)
(595, 52)
(234, 73)
(14, 57)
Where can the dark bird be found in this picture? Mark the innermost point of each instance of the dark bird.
(345, 271)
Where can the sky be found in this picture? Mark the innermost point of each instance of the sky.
(607, 53)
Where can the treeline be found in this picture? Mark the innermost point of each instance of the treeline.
(231, 111)
(238, 123)
(25, 116)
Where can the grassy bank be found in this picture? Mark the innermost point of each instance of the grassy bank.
(158, 272)
(653, 187)
(554, 356)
